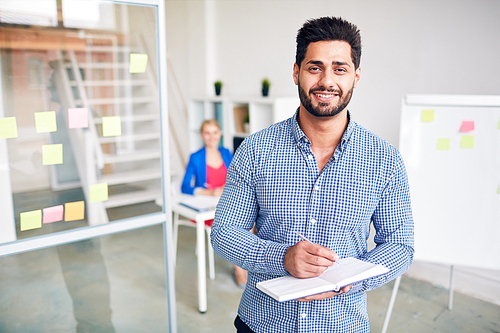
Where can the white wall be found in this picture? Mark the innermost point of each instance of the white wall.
(428, 47)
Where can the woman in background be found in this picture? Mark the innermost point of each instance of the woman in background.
(206, 173)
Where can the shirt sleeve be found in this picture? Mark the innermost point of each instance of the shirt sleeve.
(186, 186)
(393, 223)
(236, 214)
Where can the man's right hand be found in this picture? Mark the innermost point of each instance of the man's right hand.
(305, 260)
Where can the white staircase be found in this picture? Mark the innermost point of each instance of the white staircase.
(98, 79)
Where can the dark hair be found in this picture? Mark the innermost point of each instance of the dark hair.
(327, 29)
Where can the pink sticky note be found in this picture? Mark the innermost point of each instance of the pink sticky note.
(78, 118)
(53, 214)
(467, 126)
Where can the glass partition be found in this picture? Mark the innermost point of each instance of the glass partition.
(79, 115)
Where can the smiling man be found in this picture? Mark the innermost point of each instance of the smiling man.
(325, 176)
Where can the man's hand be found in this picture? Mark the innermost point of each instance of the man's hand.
(305, 260)
(326, 295)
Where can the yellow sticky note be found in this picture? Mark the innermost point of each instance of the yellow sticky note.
(443, 144)
(498, 189)
(427, 115)
(31, 220)
(111, 126)
(467, 141)
(52, 154)
(45, 121)
(99, 192)
(8, 128)
(74, 211)
(498, 127)
(138, 63)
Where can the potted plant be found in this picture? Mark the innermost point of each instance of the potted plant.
(218, 86)
(265, 87)
(246, 123)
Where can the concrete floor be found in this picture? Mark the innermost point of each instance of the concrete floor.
(116, 283)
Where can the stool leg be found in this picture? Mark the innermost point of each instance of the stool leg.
(211, 264)
(175, 234)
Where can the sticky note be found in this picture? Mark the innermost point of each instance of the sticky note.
(98, 192)
(427, 115)
(111, 126)
(498, 126)
(45, 121)
(53, 214)
(467, 126)
(8, 128)
(52, 154)
(443, 144)
(467, 141)
(74, 211)
(31, 220)
(498, 189)
(78, 118)
(138, 63)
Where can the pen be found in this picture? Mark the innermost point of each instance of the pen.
(307, 240)
(303, 237)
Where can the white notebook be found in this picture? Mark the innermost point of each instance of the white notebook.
(343, 273)
(200, 203)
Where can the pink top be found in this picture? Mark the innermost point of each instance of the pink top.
(216, 177)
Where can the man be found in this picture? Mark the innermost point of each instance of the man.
(323, 175)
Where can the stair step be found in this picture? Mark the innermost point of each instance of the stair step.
(134, 118)
(105, 48)
(136, 156)
(131, 176)
(129, 138)
(121, 100)
(107, 83)
(101, 65)
(131, 198)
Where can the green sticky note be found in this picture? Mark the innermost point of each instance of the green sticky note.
(498, 189)
(467, 141)
(443, 144)
(111, 126)
(8, 127)
(45, 121)
(31, 220)
(427, 115)
(498, 127)
(98, 192)
(138, 63)
(52, 154)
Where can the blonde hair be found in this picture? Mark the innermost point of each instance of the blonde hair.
(209, 122)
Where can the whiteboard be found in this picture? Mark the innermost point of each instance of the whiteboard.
(454, 188)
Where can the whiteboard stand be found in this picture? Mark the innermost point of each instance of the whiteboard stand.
(450, 299)
(391, 304)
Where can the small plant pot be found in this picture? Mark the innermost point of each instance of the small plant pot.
(217, 91)
(265, 92)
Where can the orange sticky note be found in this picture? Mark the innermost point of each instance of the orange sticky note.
(74, 211)
(31, 220)
(53, 214)
(98, 192)
(78, 118)
(45, 121)
(111, 126)
(52, 154)
(467, 126)
(8, 128)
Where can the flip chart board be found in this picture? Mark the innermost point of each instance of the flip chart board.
(451, 148)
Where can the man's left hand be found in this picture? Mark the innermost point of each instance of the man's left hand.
(328, 294)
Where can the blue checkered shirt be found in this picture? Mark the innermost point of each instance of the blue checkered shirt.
(274, 182)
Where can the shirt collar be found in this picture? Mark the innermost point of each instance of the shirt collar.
(300, 137)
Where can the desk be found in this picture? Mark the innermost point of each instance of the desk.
(200, 218)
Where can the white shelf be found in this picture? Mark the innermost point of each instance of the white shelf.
(262, 112)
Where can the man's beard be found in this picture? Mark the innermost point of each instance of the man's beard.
(323, 109)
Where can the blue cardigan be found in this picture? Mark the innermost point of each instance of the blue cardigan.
(197, 167)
